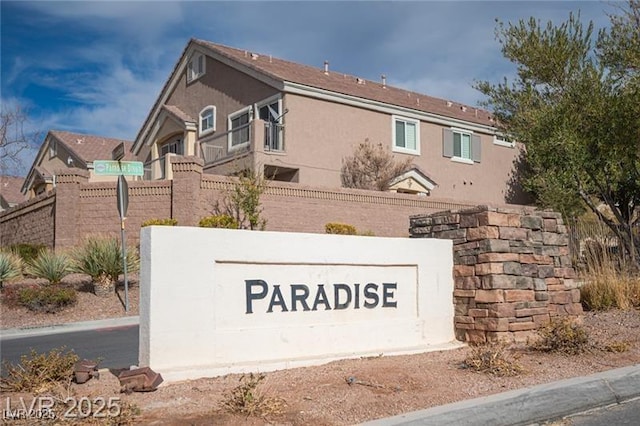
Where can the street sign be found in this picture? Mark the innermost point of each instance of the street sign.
(118, 168)
(118, 152)
(123, 196)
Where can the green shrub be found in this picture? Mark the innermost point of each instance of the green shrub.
(39, 372)
(102, 256)
(219, 221)
(10, 266)
(27, 251)
(51, 266)
(562, 335)
(160, 222)
(47, 299)
(340, 228)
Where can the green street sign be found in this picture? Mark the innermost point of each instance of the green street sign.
(118, 168)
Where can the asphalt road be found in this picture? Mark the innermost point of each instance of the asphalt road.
(627, 413)
(117, 346)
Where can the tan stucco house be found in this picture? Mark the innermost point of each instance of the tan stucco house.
(62, 150)
(10, 194)
(236, 109)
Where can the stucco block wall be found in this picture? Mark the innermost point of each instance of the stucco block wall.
(512, 269)
(30, 222)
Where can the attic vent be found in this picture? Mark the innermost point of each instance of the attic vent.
(384, 80)
(360, 80)
(463, 108)
(418, 101)
(79, 141)
(449, 104)
(254, 56)
(326, 67)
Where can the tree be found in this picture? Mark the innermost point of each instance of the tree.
(575, 104)
(371, 167)
(242, 202)
(14, 138)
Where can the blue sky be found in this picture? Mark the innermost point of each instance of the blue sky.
(97, 67)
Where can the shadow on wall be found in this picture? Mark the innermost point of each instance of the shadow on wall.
(516, 194)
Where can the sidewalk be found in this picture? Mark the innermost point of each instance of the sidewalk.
(550, 401)
(16, 333)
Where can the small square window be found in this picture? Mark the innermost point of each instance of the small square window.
(406, 135)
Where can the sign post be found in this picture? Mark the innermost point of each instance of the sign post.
(123, 204)
(119, 168)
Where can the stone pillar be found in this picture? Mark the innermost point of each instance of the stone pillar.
(185, 193)
(67, 207)
(512, 269)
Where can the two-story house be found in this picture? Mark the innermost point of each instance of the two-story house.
(61, 150)
(237, 109)
(10, 194)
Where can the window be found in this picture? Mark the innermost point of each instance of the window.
(175, 146)
(207, 120)
(239, 123)
(406, 135)
(503, 140)
(269, 111)
(52, 149)
(461, 145)
(196, 67)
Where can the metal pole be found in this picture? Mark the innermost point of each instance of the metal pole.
(124, 264)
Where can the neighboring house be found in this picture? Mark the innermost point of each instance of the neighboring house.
(238, 109)
(10, 194)
(61, 150)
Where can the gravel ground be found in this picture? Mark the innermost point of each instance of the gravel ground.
(384, 386)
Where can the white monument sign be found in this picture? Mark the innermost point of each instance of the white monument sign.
(217, 301)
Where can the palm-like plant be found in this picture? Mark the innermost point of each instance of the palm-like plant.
(101, 259)
(51, 266)
(10, 266)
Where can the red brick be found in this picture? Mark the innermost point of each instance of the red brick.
(492, 324)
(464, 293)
(489, 268)
(502, 310)
(482, 233)
(478, 313)
(463, 270)
(497, 257)
(538, 259)
(459, 319)
(493, 218)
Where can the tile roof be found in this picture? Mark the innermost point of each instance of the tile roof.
(349, 85)
(10, 189)
(91, 147)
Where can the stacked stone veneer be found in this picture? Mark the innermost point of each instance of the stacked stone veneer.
(512, 269)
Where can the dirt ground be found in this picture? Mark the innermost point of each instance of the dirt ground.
(380, 386)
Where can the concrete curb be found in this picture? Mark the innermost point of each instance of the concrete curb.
(527, 406)
(18, 333)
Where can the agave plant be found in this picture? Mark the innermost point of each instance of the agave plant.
(101, 259)
(10, 266)
(51, 266)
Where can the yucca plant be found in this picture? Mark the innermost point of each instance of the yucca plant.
(101, 259)
(10, 266)
(50, 265)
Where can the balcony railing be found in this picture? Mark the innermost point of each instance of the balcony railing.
(273, 140)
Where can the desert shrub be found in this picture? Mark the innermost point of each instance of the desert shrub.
(562, 335)
(160, 222)
(340, 228)
(39, 372)
(219, 221)
(617, 346)
(49, 299)
(608, 283)
(492, 358)
(102, 257)
(51, 266)
(10, 266)
(27, 251)
(247, 399)
(372, 166)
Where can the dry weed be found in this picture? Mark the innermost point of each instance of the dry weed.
(39, 372)
(564, 336)
(494, 359)
(247, 399)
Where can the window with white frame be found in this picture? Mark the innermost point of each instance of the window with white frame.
(504, 140)
(173, 146)
(406, 135)
(461, 145)
(239, 123)
(196, 67)
(207, 120)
